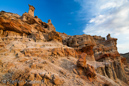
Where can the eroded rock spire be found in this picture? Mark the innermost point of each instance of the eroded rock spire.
(31, 10)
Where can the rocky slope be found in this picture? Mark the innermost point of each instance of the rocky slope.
(32, 53)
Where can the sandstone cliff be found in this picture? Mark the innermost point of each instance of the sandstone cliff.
(32, 53)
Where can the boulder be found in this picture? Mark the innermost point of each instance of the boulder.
(57, 80)
(82, 60)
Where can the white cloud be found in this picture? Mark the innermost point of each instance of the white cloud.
(110, 16)
(108, 5)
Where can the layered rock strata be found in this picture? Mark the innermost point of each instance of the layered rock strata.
(33, 53)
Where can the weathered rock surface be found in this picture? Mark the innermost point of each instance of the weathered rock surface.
(82, 60)
(32, 53)
(85, 69)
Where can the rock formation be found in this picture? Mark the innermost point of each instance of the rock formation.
(33, 53)
(31, 10)
(86, 69)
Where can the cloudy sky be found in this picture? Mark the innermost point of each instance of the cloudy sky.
(77, 17)
(107, 16)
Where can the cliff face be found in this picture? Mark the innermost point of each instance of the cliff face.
(33, 53)
(101, 50)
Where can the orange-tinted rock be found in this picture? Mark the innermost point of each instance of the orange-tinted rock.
(14, 25)
(38, 77)
(103, 56)
(31, 77)
(21, 83)
(75, 71)
(124, 61)
(69, 52)
(20, 75)
(58, 51)
(63, 52)
(85, 69)
(88, 50)
(54, 36)
(112, 55)
(82, 60)
(33, 66)
(2, 44)
(90, 71)
(35, 34)
(57, 80)
(40, 28)
(78, 41)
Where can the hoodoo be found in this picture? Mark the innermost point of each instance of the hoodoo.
(31, 10)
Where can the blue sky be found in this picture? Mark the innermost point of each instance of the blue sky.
(63, 13)
(77, 17)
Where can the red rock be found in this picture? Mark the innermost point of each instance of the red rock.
(107, 55)
(124, 61)
(53, 35)
(82, 60)
(88, 50)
